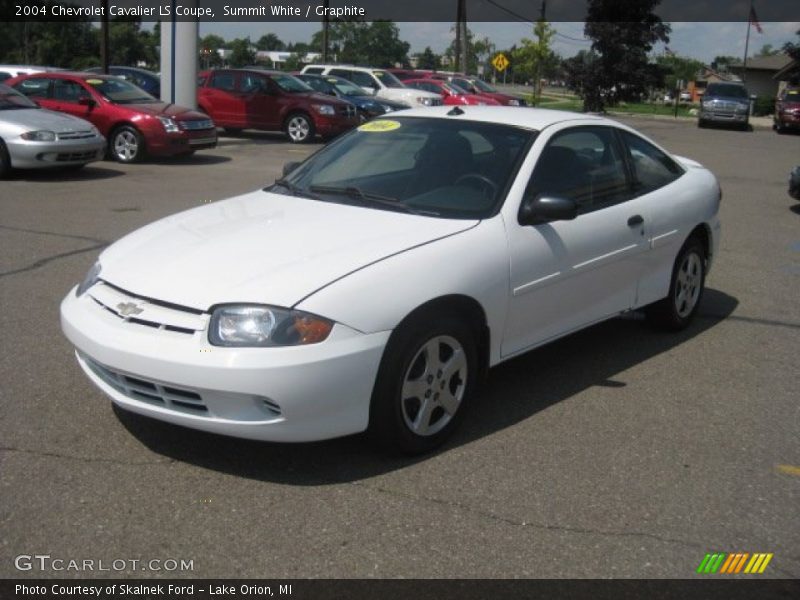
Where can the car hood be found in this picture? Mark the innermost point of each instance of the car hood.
(727, 99)
(32, 119)
(262, 248)
(164, 109)
(407, 95)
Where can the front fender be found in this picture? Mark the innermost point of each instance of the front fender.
(473, 263)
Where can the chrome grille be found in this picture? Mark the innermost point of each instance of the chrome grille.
(196, 125)
(348, 111)
(148, 391)
(76, 135)
(140, 311)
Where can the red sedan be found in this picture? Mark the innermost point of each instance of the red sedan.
(450, 93)
(134, 123)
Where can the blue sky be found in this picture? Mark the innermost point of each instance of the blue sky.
(702, 41)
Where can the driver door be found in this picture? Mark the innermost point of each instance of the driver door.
(566, 275)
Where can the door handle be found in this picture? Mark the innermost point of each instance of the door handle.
(635, 220)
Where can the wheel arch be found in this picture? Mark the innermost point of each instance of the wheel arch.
(703, 233)
(468, 310)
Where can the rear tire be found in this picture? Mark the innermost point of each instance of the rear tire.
(676, 311)
(425, 382)
(5, 161)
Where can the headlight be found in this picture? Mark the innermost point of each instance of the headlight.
(425, 101)
(39, 136)
(386, 108)
(742, 106)
(91, 278)
(324, 109)
(260, 326)
(169, 124)
(513, 102)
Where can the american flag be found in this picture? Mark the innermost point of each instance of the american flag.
(754, 19)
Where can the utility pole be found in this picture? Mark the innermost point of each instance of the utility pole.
(457, 53)
(464, 39)
(325, 24)
(747, 42)
(104, 38)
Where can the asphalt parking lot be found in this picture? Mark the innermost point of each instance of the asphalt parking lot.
(616, 452)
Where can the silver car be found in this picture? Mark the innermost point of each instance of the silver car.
(33, 138)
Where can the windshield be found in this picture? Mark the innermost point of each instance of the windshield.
(437, 167)
(347, 88)
(728, 91)
(387, 79)
(120, 91)
(791, 95)
(484, 87)
(291, 84)
(11, 99)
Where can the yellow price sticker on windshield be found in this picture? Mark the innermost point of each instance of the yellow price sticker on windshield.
(380, 126)
(94, 81)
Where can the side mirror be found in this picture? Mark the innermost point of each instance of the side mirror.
(289, 167)
(86, 101)
(543, 209)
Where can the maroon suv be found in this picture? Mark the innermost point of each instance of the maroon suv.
(273, 101)
(787, 110)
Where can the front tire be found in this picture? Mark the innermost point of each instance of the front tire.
(126, 145)
(676, 311)
(425, 382)
(5, 161)
(299, 128)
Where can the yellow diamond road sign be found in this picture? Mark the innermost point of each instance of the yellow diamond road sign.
(500, 62)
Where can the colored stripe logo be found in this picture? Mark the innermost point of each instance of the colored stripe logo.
(732, 563)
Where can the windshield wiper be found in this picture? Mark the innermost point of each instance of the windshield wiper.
(356, 192)
(295, 190)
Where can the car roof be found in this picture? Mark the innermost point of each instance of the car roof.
(529, 118)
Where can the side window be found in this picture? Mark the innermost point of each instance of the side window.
(68, 91)
(341, 73)
(652, 168)
(583, 164)
(365, 80)
(430, 87)
(251, 83)
(223, 81)
(34, 88)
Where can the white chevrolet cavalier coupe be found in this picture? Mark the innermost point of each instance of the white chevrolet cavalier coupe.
(371, 286)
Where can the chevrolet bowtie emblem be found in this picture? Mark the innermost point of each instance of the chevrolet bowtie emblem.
(126, 309)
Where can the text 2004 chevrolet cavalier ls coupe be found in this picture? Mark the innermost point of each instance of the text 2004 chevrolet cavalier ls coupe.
(370, 287)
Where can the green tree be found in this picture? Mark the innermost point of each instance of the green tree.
(428, 59)
(208, 48)
(376, 44)
(676, 68)
(768, 50)
(269, 42)
(793, 50)
(622, 34)
(532, 56)
(723, 64)
(478, 51)
(242, 52)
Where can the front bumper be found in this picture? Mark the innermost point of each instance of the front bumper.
(292, 394)
(788, 120)
(38, 155)
(329, 126)
(161, 143)
(712, 116)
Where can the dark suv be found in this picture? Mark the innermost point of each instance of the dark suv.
(727, 103)
(273, 101)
